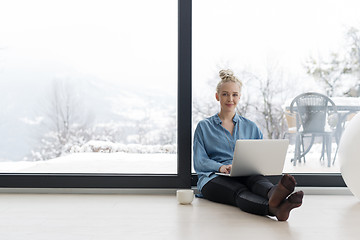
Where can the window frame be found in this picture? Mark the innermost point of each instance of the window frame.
(184, 104)
(184, 178)
(305, 179)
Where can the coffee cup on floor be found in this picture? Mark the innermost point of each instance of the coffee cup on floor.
(185, 196)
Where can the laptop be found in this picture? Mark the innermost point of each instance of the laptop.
(258, 156)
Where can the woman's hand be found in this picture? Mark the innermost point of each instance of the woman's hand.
(225, 169)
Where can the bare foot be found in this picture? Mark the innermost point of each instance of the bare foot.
(283, 211)
(283, 189)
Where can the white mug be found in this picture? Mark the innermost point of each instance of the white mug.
(185, 196)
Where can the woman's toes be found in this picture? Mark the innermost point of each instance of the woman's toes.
(282, 190)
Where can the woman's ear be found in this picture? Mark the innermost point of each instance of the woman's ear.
(217, 96)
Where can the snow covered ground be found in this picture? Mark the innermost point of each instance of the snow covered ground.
(313, 163)
(155, 163)
(118, 162)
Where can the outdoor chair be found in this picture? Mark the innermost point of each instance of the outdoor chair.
(313, 112)
(291, 124)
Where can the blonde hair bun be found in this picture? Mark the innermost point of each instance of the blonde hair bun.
(225, 74)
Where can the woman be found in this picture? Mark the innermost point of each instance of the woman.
(214, 143)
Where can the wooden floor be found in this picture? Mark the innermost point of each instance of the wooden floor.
(149, 216)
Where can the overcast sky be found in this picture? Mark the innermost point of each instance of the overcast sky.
(109, 40)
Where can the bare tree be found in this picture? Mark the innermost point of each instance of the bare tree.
(202, 110)
(353, 55)
(67, 122)
(272, 113)
(168, 134)
(271, 95)
(329, 72)
(143, 127)
(339, 67)
(353, 45)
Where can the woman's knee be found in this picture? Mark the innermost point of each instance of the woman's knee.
(252, 203)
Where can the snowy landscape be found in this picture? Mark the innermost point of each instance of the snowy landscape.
(163, 160)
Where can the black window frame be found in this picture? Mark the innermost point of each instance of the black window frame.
(305, 179)
(184, 178)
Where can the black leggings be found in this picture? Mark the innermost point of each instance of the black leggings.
(250, 194)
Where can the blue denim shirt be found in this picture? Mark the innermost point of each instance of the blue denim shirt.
(214, 145)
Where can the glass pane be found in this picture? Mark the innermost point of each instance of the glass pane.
(281, 49)
(88, 86)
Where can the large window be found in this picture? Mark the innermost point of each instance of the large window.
(279, 49)
(99, 94)
(90, 89)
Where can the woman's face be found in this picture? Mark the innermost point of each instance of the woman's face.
(228, 96)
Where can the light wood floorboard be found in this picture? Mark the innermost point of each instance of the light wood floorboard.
(136, 216)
